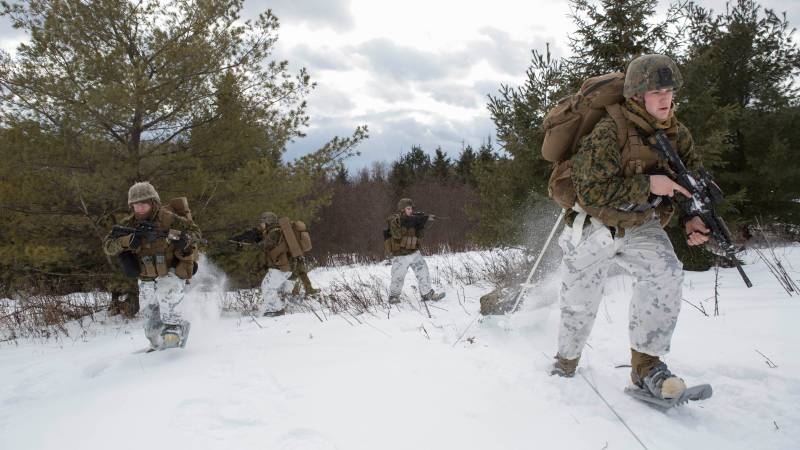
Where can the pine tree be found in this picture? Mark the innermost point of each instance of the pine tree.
(741, 68)
(441, 166)
(463, 166)
(610, 33)
(109, 92)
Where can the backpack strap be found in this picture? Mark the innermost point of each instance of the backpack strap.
(615, 111)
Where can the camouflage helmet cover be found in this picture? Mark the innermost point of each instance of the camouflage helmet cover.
(269, 218)
(651, 73)
(141, 192)
(403, 202)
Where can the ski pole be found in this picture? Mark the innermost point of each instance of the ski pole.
(524, 286)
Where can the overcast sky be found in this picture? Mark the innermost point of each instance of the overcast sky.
(417, 72)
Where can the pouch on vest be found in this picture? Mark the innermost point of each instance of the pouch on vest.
(148, 266)
(409, 242)
(161, 264)
(278, 257)
(129, 263)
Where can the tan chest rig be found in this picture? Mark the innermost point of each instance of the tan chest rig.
(409, 240)
(636, 158)
(157, 257)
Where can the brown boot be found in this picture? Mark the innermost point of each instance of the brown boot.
(307, 284)
(564, 367)
(652, 375)
(641, 363)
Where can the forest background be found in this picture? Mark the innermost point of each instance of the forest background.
(184, 94)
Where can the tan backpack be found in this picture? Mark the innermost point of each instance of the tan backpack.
(574, 117)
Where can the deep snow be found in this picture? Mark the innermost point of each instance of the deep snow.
(404, 382)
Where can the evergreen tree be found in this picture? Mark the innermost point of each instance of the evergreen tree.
(441, 166)
(610, 33)
(108, 92)
(510, 186)
(741, 67)
(409, 168)
(463, 166)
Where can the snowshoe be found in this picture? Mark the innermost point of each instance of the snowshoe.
(433, 296)
(173, 336)
(694, 393)
(277, 313)
(661, 388)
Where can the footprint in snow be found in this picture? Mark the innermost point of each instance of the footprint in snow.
(304, 439)
(96, 368)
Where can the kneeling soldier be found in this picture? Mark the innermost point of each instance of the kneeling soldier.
(159, 246)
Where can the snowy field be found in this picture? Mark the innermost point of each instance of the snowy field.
(405, 381)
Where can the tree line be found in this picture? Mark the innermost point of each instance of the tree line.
(186, 95)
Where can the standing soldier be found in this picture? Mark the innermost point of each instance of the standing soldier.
(618, 219)
(161, 247)
(403, 237)
(284, 242)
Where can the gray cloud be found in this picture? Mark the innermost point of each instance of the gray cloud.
(407, 63)
(393, 133)
(453, 94)
(329, 101)
(320, 58)
(329, 13)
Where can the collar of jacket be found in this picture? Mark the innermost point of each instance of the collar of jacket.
(639, 116)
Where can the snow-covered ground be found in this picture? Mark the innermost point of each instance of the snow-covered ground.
(407, 381)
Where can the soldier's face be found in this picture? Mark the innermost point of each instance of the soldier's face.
(658, 103)
(408, 210)
(142, 209)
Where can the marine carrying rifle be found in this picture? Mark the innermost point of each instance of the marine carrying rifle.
(251, 236)
(143, 230)
(705, 196)
(150, 232)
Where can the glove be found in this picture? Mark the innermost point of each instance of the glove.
(130, 241)
(182, 243)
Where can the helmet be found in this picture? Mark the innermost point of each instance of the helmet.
(650, 73)
(401, 205)
(142, 191)
(269, 218)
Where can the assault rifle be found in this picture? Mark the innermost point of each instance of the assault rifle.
(251, 236)
(143, 230)
(705, 196)
(148, 231)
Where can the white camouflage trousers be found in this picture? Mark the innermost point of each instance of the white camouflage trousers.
(158, 300)
(400, 265)
(275, 287)
(646, 253)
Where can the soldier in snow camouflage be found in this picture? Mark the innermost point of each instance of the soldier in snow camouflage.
(165, 263)
(403, 236)
(624, 196)
(284, 271)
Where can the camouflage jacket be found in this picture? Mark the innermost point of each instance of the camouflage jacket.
(602, 179)
(182, 261)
